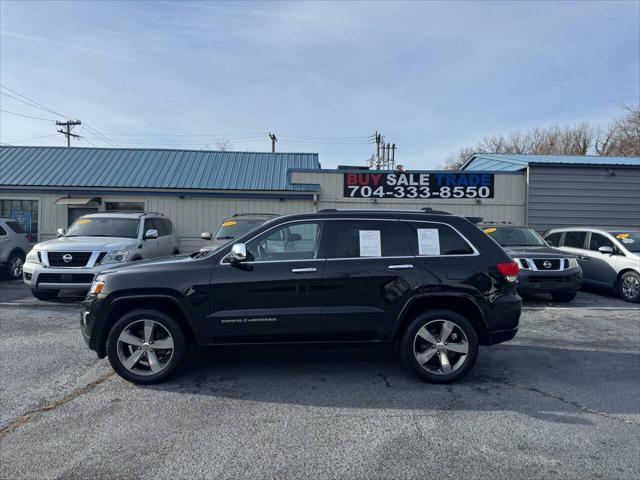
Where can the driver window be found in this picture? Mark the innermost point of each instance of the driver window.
(294, 241)
(598, 240)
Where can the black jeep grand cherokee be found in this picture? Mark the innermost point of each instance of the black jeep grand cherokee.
(434, 284)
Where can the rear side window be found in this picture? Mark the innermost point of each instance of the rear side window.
(429, 239)
(368, 238)
(15, 226)
(554, 239)
(2, 232)
(575, 239)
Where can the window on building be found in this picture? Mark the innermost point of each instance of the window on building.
(449, 241)
(125, 206)
(363, 238)
(24, 212)
(575, 239)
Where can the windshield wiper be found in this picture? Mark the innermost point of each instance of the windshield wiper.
(227, 237)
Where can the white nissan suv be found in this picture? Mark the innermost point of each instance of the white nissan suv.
(96, 242)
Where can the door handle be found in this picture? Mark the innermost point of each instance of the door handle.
(303, 270)
(582, 257)
(401, 267)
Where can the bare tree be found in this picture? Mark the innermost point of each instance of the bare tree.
(224, 144)
(622, 137)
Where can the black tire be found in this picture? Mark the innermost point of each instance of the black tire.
(629, 287)
(564, 296)
(45, 294)
(409, 338)
(133, 318)
(9, 270)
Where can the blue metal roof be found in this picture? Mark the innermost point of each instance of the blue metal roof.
(513, 162)
(151, 168)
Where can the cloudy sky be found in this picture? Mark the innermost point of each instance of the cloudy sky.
(433, 77)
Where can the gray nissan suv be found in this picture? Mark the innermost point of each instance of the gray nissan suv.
(96, 242)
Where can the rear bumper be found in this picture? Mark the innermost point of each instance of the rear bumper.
(503, 319)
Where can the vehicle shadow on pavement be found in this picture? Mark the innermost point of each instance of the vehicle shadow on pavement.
(558, 385)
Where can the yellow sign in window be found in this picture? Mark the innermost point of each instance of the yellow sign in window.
(229, 223)
(490, 230)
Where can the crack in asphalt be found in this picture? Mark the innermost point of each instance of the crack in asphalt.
(25, 417)
(560, 399)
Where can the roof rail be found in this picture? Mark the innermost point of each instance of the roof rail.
(247, 214)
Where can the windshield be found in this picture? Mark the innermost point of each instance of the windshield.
(515, 237)
(235, 227)
(630, 240)
(104, 227)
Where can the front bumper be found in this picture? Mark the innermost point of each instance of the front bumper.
(59, 278)
(549, 282)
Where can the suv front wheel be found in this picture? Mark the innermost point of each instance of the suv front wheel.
(440, 346)
(145, 346)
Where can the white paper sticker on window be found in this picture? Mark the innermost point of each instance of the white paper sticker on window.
(370, 245)
(428, 241)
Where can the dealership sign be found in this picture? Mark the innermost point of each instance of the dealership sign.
(418, 185)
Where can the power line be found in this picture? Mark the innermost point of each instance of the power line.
(29, 139)
(27, 116)
(35, 104)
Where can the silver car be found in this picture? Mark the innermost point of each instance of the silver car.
(609, 257)
(14, 245)
(96, 242)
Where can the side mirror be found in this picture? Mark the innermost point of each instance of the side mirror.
(606, 250)
(238, 252)
(206, 235)
(60, 232)
(151, 233)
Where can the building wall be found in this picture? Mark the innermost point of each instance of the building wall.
(509, 203)
(562, 196)
(190, 216)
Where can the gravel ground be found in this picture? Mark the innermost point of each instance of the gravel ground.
(560, 401)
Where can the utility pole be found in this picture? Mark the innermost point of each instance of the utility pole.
(69, 124)
(385, 156)
(274, 139)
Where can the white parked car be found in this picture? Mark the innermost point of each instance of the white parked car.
(609, 257)
(14, 245)
(96, 242)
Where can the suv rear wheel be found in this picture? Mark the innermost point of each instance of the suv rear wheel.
(629, 287)
(440, 346)
(145, 346)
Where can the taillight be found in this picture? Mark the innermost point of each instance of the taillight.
(509, 270)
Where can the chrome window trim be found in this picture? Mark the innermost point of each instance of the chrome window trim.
(473, 247)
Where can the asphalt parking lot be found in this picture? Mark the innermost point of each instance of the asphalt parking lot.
(562, 400)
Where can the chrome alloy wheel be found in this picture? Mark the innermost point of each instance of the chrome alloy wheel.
(145, 347)
(630, 287)
(15, 268)
(440, 347)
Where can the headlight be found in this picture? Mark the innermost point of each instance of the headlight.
(115, 256)
(573, 262)
(96, 287)
(34, 257)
